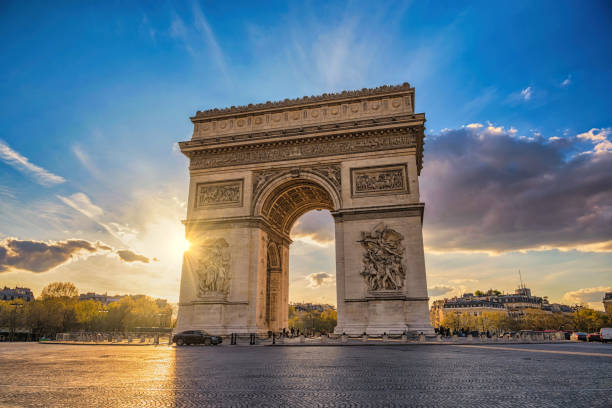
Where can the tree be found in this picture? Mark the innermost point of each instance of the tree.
(59, 290)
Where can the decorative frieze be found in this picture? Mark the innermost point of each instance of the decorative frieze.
(380, 180)
(383, 253)
(304, 148)
(219, 194)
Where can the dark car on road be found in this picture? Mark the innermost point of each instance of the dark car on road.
(195, 337)
(593, 337)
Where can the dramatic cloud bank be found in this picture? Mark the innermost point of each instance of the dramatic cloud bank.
(21, 163)
(592, 297)
(319, 279)
(489, 190)
(38, 256)
(439, 290)
(315, 227)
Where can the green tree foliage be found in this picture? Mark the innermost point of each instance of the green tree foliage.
(313, 321)
(59, 290)
(58, 310)
(587, 320)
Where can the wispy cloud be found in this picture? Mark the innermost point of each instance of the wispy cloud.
(203, 27)
(566, 81)
(526, 93)
(81, 203)
(86, 161)
(195, 36)
(21, 163)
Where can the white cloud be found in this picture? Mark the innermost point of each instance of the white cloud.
(566, 81)
(600, 139)
(21, 163)
(81, 203)
(474, 125)
(86, 161)
(319, 279)
(526, 93)
(591, 297)
(202, 26)
(439, 290)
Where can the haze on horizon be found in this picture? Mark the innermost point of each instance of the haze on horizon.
(518, 153)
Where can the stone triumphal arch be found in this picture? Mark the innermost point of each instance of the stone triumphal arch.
(254, 170)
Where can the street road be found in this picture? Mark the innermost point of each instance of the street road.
(529, 375)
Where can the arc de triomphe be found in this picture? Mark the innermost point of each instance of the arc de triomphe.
(254, 170)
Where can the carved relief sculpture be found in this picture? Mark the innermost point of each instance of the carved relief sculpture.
(382, 258)
(379, 180)
(219, 194)
(213, 269)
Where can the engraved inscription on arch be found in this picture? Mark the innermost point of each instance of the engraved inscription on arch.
(219, 194)
(382, 180)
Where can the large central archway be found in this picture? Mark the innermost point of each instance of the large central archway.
(285, 199)
(254, 170)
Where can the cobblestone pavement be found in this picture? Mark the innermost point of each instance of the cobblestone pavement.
(578, 375)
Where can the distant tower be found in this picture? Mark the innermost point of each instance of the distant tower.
(522, 290)
(607, 301)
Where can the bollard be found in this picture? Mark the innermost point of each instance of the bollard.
(364, 338)
(156, 339)
(404, 338)
(302, 338)
(323, 338)
(469, 337)
(421, 338)
(385, 338)
(438, 337)
(455, 338)
(170, 339)
(344, 338)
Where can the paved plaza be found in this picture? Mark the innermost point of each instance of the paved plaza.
(538, 375)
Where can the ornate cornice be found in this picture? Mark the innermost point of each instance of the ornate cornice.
(303, 148)
(417, 119)
(365, 92)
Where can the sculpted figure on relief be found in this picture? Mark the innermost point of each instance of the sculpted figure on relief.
(382, 258)
(213, 268)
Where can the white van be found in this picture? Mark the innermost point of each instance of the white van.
(606, 334)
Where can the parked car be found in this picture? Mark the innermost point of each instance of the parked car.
(576, 336)
(593, 337)
(195, 337)
(606, 334)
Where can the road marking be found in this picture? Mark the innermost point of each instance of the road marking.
(575, 353)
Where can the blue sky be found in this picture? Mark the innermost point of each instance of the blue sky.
(97, 94)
